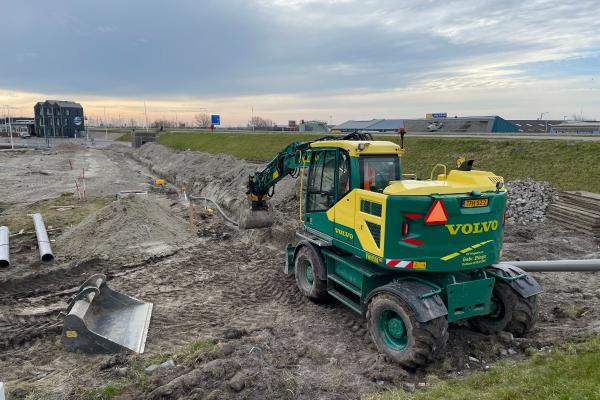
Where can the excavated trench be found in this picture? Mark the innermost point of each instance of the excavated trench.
(218, 282)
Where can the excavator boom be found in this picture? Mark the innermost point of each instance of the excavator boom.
(288, 161)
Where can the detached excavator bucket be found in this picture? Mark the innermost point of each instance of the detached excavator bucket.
(252, 219)
(101, 320)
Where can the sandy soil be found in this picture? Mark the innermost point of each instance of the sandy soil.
(228, 285)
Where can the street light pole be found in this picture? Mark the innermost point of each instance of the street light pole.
(146, 114)
(541, 117)
(105, 126)
(12, 145)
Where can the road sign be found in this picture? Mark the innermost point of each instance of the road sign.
(215, 119)
(77, 120)
(437, 115)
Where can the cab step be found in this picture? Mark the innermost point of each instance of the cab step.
(346, 301)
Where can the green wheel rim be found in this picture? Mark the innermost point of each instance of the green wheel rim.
(310, 275)
(393, 330)
(497, 310)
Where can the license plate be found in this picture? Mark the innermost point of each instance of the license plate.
(474, 203)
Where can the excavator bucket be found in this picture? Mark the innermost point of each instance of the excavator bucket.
(101, 320)
(252, 219)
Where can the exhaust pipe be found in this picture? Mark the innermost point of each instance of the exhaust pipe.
(592, 265)
(46, 254)
(4, 256)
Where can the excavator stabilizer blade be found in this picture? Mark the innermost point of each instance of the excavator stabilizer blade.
(252, 219)
(101, 320)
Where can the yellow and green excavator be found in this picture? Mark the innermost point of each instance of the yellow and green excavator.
(410, 255)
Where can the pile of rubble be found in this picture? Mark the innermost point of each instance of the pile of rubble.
(528, 200)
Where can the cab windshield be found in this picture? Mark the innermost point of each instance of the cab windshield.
(376, 172)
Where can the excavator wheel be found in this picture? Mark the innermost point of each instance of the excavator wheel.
(396, 332)
(511, 312)
(308, 267)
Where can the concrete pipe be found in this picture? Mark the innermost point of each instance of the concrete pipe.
(592, 265)
(4, 249)
(46, 254)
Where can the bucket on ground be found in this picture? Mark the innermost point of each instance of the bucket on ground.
(101, 320)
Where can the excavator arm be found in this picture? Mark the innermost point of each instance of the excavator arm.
(288, 161)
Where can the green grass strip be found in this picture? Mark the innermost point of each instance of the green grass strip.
(569, 165)
(569, 371)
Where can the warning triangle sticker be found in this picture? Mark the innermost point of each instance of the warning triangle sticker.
(437, 214)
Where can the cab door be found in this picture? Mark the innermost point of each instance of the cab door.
(344, 211)
(321, 193)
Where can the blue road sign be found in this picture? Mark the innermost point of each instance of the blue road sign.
(215, 119)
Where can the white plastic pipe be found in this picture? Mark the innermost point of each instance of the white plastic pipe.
(592, 265)
(46, 254)
(4, 249)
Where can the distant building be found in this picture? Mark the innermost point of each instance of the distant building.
(19, 126)
(313, 126)
(59, 118)
(351, 126)
(492, 124)
(534, 125)
(577, 127)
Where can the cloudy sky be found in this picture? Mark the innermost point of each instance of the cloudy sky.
(303, 59)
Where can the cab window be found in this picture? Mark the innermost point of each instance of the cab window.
(376, 172)
(321, 181)
(343, 174)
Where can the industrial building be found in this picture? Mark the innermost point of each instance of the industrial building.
(577, 127)
(492, 124)
(55, 118)
(19, 126)
(534, 125)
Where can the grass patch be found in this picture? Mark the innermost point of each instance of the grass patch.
(249, 146)
(106, 392)
(126, 137)
(136, 374)
(195, 349)
(16, 217)
(570, 371)
(569, 165)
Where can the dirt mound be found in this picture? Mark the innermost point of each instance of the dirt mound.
(223, 178)
(126, 229)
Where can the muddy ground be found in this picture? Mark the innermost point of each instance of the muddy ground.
(215, 285)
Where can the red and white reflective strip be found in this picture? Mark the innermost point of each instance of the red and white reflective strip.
(398, 263)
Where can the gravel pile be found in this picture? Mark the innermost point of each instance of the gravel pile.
(528, 200)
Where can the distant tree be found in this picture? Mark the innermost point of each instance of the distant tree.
(132, 123)
(202, 120)
(161, 124)
(260, 123)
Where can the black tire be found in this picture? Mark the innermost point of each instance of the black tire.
(308, 266)
(423, 342)
(514, 313)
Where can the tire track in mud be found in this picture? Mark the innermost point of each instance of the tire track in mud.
(211, 287)
(19, 330)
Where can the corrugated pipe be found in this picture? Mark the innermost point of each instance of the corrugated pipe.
(216, 206)
(592, 265)
(46, 254)
(4, 249)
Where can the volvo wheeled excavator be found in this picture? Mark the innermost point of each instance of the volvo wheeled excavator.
(410, 255)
